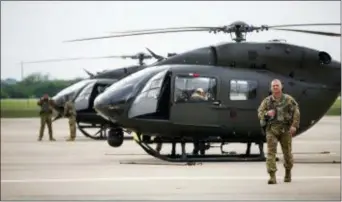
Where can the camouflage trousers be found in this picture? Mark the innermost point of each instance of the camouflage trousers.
(45, 119)
(72, 127)
(273, 135)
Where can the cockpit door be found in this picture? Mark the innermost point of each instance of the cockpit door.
(146, 103)
(82, 102)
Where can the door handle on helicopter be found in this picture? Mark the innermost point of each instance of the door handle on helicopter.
(218, 105)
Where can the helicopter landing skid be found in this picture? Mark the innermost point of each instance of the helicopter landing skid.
(192, 158)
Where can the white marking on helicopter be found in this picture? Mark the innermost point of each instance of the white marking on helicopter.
(161, 178)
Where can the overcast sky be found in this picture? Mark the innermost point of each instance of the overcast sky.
(35, 30)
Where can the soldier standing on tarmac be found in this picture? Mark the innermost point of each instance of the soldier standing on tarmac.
(70, 113)
(46, 109)
(279, 114)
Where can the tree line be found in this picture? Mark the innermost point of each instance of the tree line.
(34, 86)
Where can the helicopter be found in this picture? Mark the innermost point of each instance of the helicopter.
(235, 76)
(85, 91)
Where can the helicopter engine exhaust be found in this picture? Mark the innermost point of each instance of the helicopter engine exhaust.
(324, 57)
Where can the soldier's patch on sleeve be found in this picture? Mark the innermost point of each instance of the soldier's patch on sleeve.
(293, 102)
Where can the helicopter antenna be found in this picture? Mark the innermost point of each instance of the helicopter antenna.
(91, 75)
(158, 57)
(238, 28)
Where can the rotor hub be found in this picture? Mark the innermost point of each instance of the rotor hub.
(240, 30)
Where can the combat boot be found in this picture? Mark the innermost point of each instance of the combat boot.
(51, 138)
(287, 177)
(272, 179)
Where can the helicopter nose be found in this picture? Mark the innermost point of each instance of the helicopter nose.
(58, 100)
(59, 103)
(111, 103)
(101, 105)
(335, 75)
(100, 102)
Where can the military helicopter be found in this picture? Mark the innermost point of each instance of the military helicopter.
(156, 101)
(84, 92)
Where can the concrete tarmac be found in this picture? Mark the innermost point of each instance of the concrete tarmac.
(92, 170)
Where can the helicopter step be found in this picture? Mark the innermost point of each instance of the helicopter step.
(201, 147)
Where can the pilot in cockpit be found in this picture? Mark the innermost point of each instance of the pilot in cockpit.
(199, 95)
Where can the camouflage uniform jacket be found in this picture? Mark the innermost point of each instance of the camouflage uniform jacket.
(46, 106)
(287, 111)
(69, 109)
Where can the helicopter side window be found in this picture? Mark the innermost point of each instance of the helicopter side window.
(86, 91)
(242, 89)
(194, 89)
(74, 87)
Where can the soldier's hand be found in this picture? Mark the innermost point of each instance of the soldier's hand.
(271, 113)
(293, 130)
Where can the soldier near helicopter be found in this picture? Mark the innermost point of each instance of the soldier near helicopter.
(70, 113)
(279, 115)
(46, 110)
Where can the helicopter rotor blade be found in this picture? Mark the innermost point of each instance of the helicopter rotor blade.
(311, 32)
(207, 27)
(80, 58)
(160, 29)
(71, 59)
(302, 25)
(137, 33)
(53, 60)
(225, 29)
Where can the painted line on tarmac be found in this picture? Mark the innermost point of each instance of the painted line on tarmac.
(162, 178)
(337, 141)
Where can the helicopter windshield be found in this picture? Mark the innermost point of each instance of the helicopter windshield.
(135, 78)
(74, 87)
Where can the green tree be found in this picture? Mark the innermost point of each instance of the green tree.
(35, 85)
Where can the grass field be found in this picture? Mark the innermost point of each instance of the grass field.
(20, 108)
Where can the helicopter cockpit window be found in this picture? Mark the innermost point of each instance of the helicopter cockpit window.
(194, 89)
(242, 89)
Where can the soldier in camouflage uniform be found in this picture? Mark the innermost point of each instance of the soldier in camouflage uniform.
(70, 113)
(46, 109)
(279, 114)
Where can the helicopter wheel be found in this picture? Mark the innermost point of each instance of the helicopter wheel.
(99, 135)
(115, 137)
